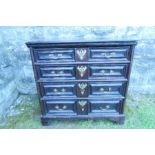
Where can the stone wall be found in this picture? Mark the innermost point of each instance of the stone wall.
(16, 75)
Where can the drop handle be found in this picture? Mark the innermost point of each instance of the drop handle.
(112, 54)
(105, 90)
(105, 108)
(59, 108)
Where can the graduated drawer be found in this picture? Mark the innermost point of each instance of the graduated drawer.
(71, 72)
(83, 89)
(110, 54)
(82, 106)
(105, 106)
(52, 55)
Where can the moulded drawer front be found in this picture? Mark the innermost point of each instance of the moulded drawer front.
(105, 106)
(60, 107)
(109, 54)
(56, 72)
(109, 71)
(54, 55)
(57, 89)
(84, 71)
(108, 89)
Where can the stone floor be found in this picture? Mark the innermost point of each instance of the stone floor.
(24, 114)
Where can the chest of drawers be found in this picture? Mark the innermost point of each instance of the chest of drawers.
(82, 80)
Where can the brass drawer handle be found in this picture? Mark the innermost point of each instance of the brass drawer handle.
(59, 55)
(104, 90)
(52, 72)
(51, 55)
(59, 108)
(64, 107)
(55, 55)
(63, 89)
(111, 71)
(105, 108)
(55, 90)
(102, 71)
(110, 89)
(61, 72)
(112, 54)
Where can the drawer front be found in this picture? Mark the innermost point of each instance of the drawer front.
(56, 72)
(60, 107)
(83, 89)
(109, 54)
(108, 89)
(57, 89)
(92, 72)
(53, 55)
(58, 55)
(109, 71)
(105, 106)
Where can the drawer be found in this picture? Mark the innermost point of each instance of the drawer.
(110, 54)
(109, 71)
(53, 55)
(60, 107)
(91, 72)
(83, 89)
(110, 89)
(105, 106)
(56, 72)
(62, 89)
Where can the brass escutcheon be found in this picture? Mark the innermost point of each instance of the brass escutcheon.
(82, 103)
(82, 70)
(82, 87)
(81, 53)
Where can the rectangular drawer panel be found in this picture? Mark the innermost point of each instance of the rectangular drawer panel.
(108, 71)
(91, 72)
(57, 89)
(60, 107)
(53, 55)
(110, 89)
(105, 106)
(83, 89)
(56, 72)
(109, 54)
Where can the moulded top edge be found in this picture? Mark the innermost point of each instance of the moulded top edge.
(80, 43)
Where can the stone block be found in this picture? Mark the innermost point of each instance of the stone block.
(8, 95)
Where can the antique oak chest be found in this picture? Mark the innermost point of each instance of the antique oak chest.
(82, 80)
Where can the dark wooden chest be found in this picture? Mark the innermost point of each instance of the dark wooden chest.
(82, 80)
